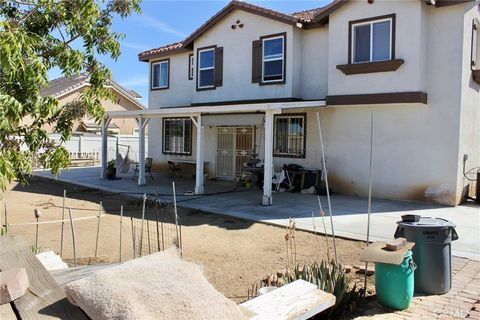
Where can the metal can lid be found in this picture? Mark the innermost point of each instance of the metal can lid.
(428, 222)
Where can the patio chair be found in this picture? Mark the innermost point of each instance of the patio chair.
(148, 168)
(173, 170)
(278, 178)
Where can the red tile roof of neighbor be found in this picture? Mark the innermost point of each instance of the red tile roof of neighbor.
(308, 18)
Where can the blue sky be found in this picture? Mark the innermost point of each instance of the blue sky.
(163, 22)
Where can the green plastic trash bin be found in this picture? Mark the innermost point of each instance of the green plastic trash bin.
(394, 283)
(432, 252)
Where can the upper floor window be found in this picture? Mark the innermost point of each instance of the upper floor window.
(206, 68)
(372, 39)
(273, 59)
(191, 67)
(177, 136)
(160, 74)
(289, 136)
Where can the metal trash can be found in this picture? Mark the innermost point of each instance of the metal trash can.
(432, 252)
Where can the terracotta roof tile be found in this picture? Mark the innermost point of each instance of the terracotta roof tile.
(177, 46)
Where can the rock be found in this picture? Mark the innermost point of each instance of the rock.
(348, 268)
(370, 270)
(13, 284)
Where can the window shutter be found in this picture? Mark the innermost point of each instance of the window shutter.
(218, 66)
(256, 61)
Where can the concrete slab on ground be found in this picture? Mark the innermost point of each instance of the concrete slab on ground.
(349, 213)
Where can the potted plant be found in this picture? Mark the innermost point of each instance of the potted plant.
(111, 169)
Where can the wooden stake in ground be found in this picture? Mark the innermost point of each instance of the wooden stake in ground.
(73, 238)
(121, 226)
(38, 214)
(322, 214)
(324, 168)
(143, 218)
(133, 237)
(369, 210)
(5, 220)
(176, 218)
(63, 223)
(98, 229)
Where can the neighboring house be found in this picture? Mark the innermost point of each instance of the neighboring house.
(254, 79)
(67, 89)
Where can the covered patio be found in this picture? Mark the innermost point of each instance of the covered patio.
(269, 110)
(349, 213)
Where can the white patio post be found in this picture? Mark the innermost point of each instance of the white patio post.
(268, 162)
(142, 123)
(105, 124)
(199, 187)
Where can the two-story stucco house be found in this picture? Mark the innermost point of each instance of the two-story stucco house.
(252, 81)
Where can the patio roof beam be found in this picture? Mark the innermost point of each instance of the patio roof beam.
(268, 162)
(105, 123)
(142, 123)
(199, 184)
(276, 107)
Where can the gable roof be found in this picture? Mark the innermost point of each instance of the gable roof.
(240, 5)
(64, 85)
(308, 19)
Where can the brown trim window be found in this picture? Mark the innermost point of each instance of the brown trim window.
(273, 59)
(290, 135)
(160, 71)
(191, 66)
(371, 46)
(372, 39)
(206, 68)
(177, 136)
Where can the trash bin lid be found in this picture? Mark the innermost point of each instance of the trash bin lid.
(428, 222)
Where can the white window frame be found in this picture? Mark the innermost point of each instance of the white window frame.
(192, 66)
(289, 142)
(167, 62)
(273, 59)
(175, 152)
(371, 23)
(200, 69)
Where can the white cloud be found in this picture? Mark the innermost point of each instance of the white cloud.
(140, 81)
(135, 46)
(151, 22)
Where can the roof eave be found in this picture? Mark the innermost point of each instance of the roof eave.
(148, 57)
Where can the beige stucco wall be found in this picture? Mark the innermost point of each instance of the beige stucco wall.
(469, 142)
(409, 33)
(180, 89)
(237, 58)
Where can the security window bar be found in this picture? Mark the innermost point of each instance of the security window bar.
(273, 59)
(289, 137)
(206, 68)
(177, 136)
(160, 75)
(372, 41)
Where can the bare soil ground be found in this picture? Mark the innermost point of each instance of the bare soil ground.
(233, 252)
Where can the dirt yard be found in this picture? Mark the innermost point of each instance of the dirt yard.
(234, 253)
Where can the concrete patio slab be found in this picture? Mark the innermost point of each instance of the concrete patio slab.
(349, 213)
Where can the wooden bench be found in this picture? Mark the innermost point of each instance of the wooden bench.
(80, 162)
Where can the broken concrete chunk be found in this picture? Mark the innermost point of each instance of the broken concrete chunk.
(13, 284)
(396, 244)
